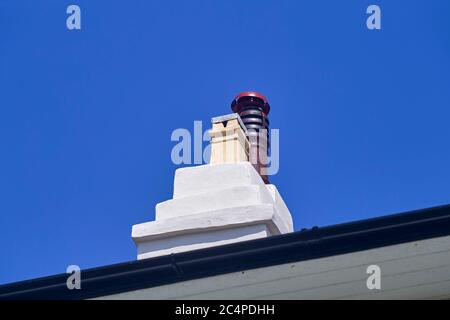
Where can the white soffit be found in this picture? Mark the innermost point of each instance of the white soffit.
(414, 270)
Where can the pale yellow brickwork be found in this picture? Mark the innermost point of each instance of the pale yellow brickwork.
(229, 142)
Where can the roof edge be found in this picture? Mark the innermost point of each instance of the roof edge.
(297, 246)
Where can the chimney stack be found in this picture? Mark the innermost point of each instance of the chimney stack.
(225, 201)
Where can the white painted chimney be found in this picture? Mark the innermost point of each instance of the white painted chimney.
(223, 202)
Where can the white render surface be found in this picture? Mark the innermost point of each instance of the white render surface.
(280, 206)
(219, 219)
(213, 177)
(200, 240)
(213, 205)
(238, 196)
(413, 270)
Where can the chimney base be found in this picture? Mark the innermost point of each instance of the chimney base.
(210, 210)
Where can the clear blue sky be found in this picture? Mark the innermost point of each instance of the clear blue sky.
(86, 116)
